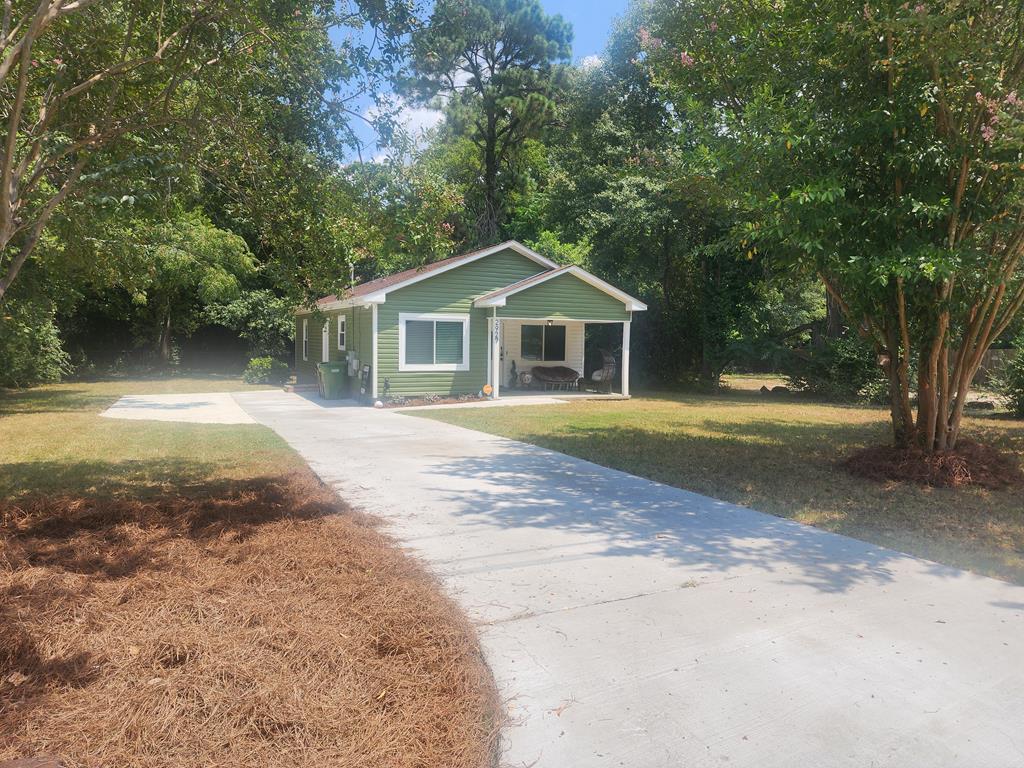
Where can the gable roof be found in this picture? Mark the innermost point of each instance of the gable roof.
(498, 298)
(375, 291)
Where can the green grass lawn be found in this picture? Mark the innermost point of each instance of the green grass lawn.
(781, 457)
(53, 440)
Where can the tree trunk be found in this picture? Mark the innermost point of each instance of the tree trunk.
(833, 317)
(487, 224)
(165, 338)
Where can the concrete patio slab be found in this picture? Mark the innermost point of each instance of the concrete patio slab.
(207, 408)
(629, 623)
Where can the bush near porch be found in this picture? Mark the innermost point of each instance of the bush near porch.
(782, 457)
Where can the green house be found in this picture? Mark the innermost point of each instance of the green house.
(455, 326)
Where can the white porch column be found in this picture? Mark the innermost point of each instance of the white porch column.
(495, 353)
(625, 358)
(373, 346)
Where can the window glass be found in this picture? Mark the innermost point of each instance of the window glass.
(533, 342)
(448, 342)
(554, 342)
(419, 342)
(341, 332)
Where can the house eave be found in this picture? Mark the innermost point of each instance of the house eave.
(499, 298)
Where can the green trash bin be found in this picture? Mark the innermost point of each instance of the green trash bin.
(333, 379)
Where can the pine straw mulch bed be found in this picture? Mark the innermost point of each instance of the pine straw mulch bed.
(969, 464)
(238, 627)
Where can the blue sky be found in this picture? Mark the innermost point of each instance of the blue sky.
(591, 23)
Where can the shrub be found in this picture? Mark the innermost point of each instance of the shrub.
(265, 370)
(30, 344)
(1009, 382)
(840, 369)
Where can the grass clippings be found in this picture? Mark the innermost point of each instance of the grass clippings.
(246, 625)
(969, 463)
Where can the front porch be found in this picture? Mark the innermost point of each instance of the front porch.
(538, 332)
(555, 357)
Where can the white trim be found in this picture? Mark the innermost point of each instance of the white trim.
(373, 344)
(325, 341)
(496, 355)
(404, 317)
(559, 319)
(499, 297)
(342, 333)
(625, 358)
(305, 338)
(379, 297)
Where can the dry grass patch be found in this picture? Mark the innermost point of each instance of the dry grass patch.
(238, 624)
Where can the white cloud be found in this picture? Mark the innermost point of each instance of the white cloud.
(419, 119)
(416, 120)
(591, 61)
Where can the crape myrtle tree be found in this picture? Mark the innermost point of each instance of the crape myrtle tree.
(880, 146)
(495, 67)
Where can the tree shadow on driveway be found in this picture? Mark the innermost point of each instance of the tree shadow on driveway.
(524, 487)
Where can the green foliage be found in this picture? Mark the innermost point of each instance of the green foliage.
(495, 67)
(265, 370)
(30, 346)
(264, 320)
(878, 147)
(845, 368)
(1010, 380)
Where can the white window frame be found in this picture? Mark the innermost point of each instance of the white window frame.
(305, 339)
(404, 317)
(342, 336)
(325, 341)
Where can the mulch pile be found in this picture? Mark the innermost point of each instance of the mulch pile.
(969, 464)
(246, 625)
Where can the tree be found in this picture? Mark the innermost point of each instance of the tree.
(90, 87)
(189, 265)
(878, 146)
(495, 64)
(625, 183)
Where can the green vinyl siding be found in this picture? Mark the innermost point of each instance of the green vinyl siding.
(306, 369)
(450, 292)
(564, 297)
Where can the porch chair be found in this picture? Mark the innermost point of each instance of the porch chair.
(604, 375)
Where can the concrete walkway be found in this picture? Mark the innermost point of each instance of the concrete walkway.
(633, 624)
(208, 408)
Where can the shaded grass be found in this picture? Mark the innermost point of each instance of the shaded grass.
(782, 457)
(177, 594)
(52, 440)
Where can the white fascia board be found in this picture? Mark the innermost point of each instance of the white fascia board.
(499, 299)
(380, 297)
(510, 245)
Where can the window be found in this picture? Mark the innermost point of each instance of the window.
(305, 339)
(433, 342)
(342, 323)
(325, 341)
(543, 342)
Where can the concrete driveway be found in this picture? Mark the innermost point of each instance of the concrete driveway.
(633, 624)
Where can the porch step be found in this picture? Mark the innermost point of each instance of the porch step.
(301, 388)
